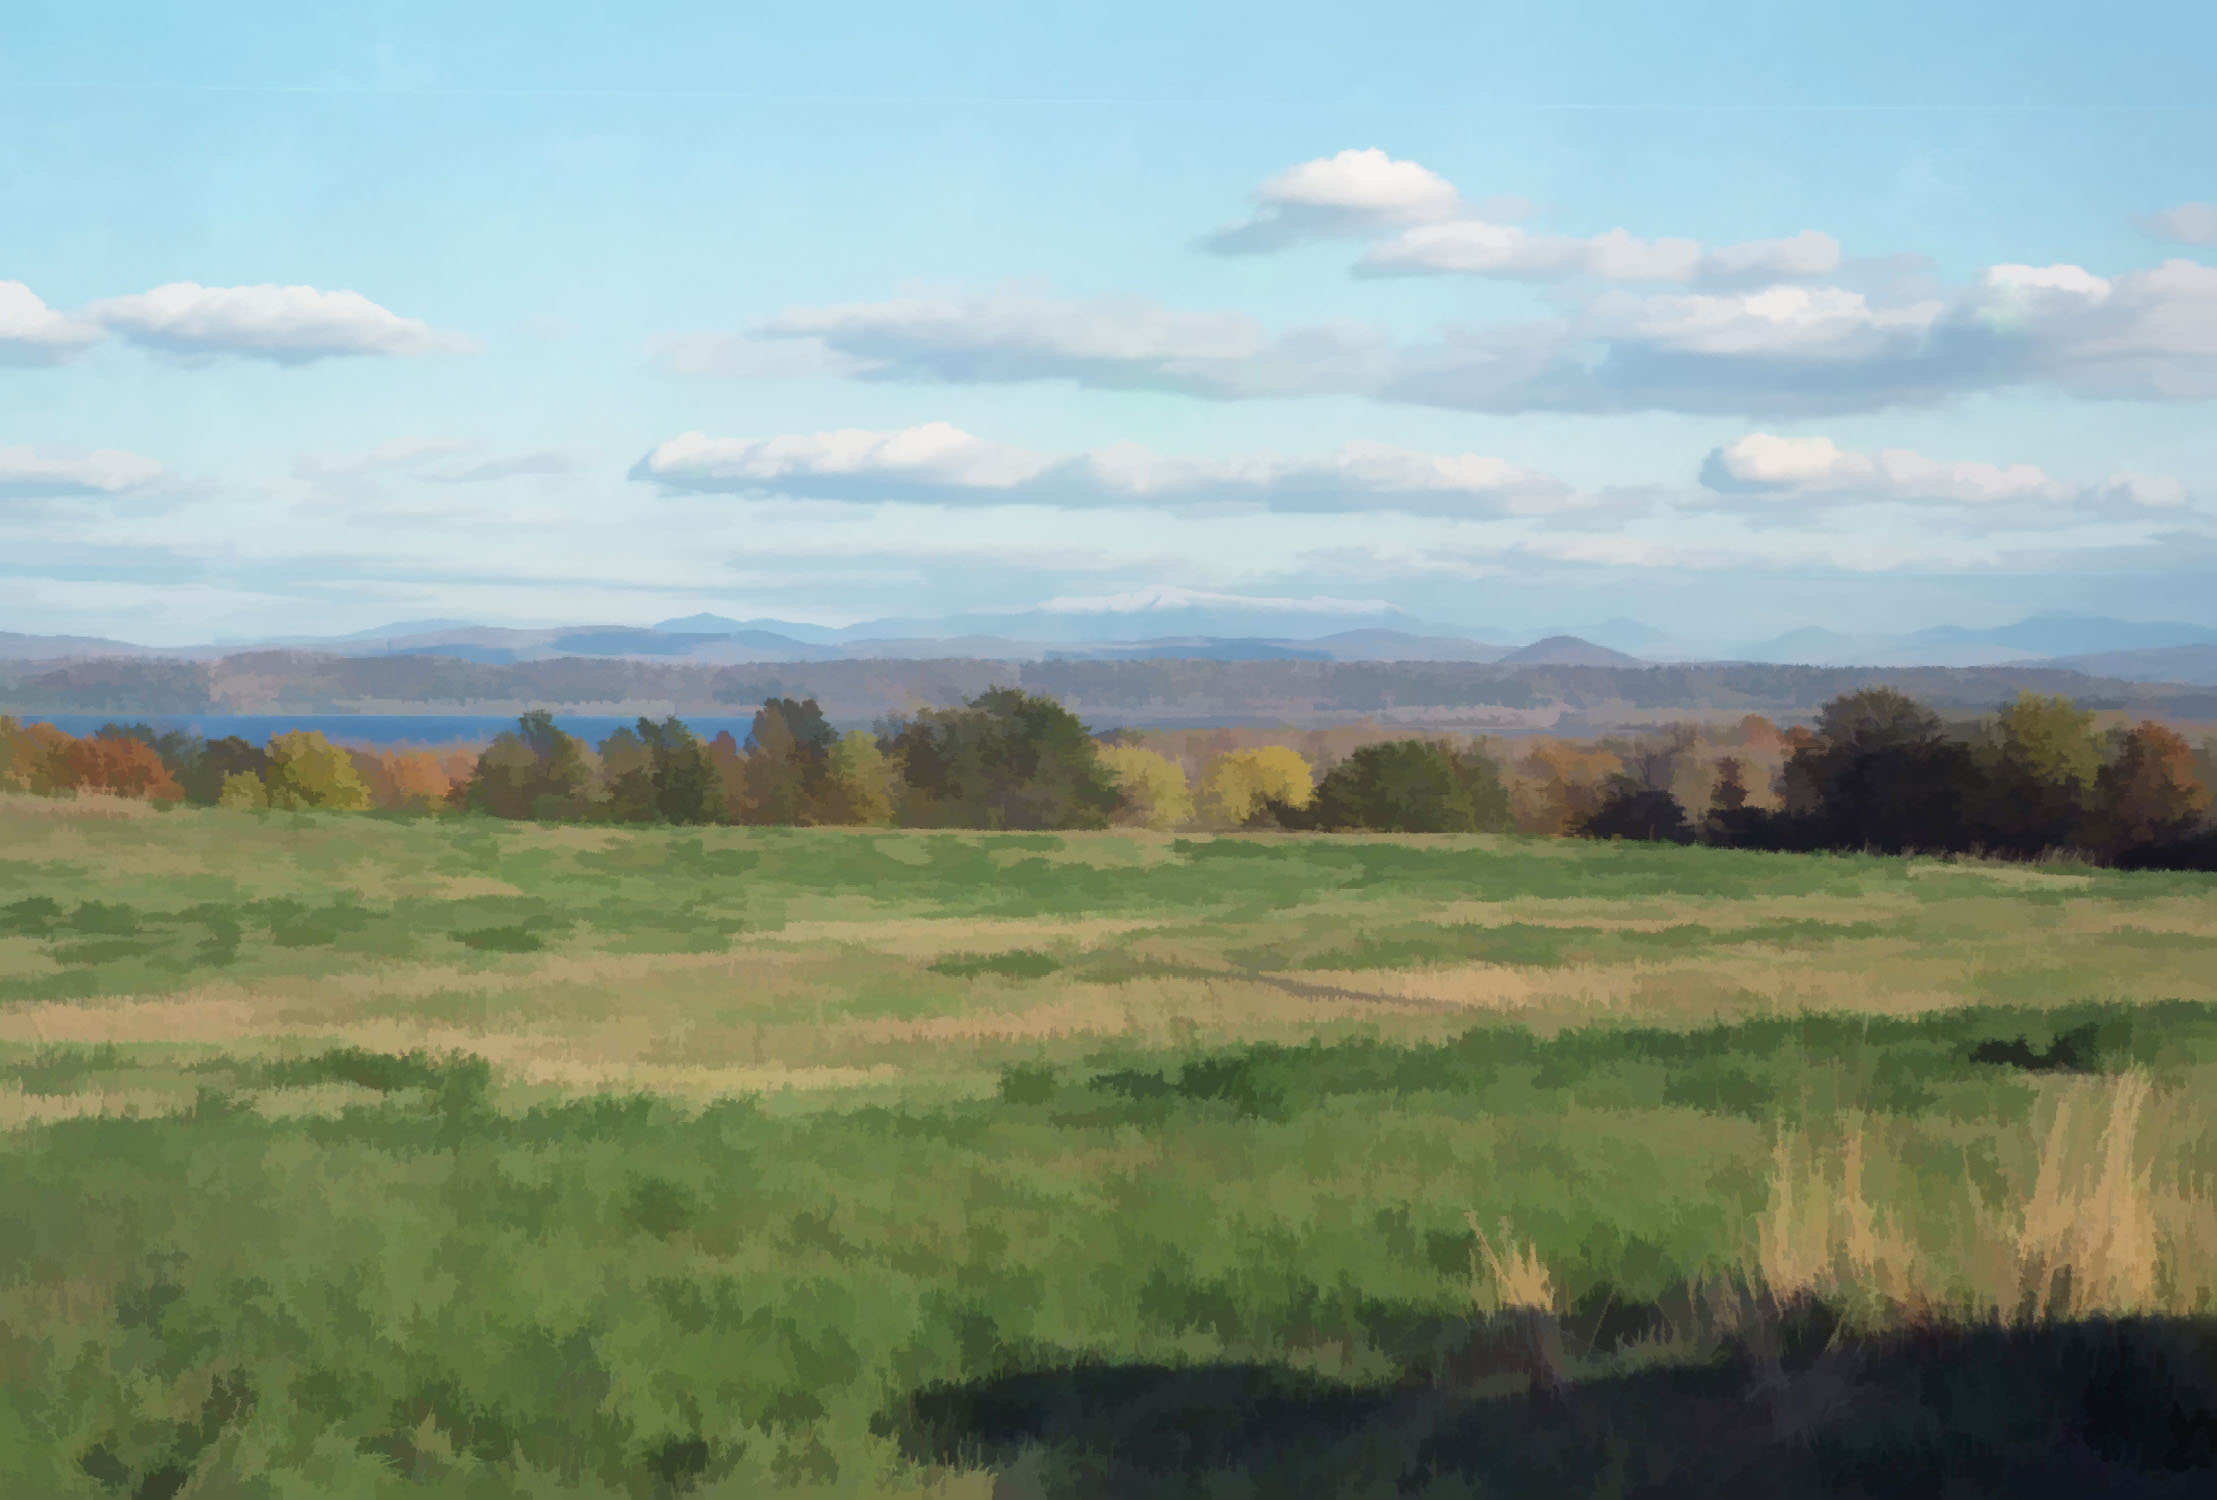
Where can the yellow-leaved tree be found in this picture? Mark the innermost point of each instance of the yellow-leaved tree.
(861, 781)
(1154, 789)
(308, 771)
(1236, 784)
(243, 791)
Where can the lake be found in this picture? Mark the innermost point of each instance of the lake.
(380, 730)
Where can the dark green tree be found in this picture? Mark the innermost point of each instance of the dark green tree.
(533, 771)
(1631, 809)
(626, 779)
(2039, 763)
(1407, 786)
(1882, 773)
(788, 763)
(687, 788)
(1006, 759)
(219, 759)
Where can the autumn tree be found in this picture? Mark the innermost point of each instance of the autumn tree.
(2149, 791)
(34, 757)
(408, 781)
(1238, 785)
(1153, 787)
(686, 786)
(625, 790)
(788, 763)
(1730, 792)
(862, 784)
(730, 763)
(14, 746)
(2038, 761)
(179, 750)
(218, 761)
(1559, 785)
(1005, 759)
(1880, 772)
(122, 766)
(532, 771)
(307, 771)
(242, 791)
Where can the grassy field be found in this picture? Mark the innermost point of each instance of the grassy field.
(355, 1157)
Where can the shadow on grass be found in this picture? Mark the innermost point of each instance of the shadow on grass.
(2108, 1409)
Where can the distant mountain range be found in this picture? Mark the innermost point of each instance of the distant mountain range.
(1163, 625)
(1563, 697)
(2066, 639)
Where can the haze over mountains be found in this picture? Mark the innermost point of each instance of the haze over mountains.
(1174, 627)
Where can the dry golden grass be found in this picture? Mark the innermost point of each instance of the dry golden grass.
(931, 937)
(99, 806)
(1820, 1236)
(2093, 1234)
(1511, 1278)
(18, 1109)
(2086, 1238)
(180, 1020)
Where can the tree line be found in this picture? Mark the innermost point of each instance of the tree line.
(1877, 771)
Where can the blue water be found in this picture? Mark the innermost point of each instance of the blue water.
(380, 730)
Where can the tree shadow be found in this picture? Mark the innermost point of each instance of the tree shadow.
(2098, 1409)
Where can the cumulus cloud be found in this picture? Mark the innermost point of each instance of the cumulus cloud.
(31, 333)
(1815, 470)
(1475, 247)
(1366, 194)
(2189, 224)
(1354, 193)
(940, 463)
(31, 473)
(2143, 335)
(288, 324)
(1781, 349)
(1113, 342)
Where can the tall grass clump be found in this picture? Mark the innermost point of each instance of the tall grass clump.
(2091, 1231)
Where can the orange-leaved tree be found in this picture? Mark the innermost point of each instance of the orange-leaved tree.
(120, 766)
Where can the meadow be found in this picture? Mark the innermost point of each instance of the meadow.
(374, 1156)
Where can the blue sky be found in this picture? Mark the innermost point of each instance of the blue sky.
(1731, 318)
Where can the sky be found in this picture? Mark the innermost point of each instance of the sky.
(1732, 319)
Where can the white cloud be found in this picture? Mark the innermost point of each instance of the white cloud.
(1817, 470)
(940, 463)
(937, 455)
(1785, 349)
(32, 473)
(1114, 342)
(2189, 224)
(1356, 192)
(289, 324)
(1819, 322)
(1365, 194)
(1475, 247)
(2143, 492)
(1167, 597)
(32, 333)
(2143, 335)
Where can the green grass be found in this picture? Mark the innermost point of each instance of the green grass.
(371, 1158)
